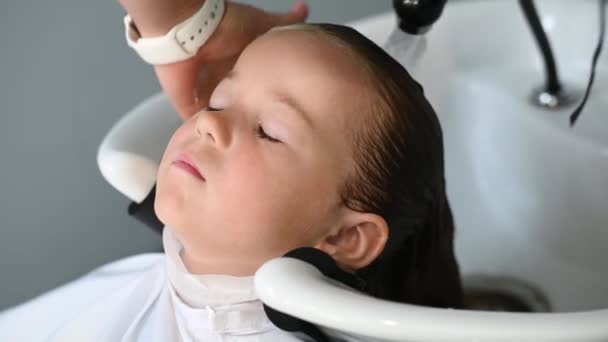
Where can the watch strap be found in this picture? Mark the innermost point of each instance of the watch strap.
(182, 41)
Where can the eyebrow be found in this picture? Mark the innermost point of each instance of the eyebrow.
(288, 100)
(284, 98)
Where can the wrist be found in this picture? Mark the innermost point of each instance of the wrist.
(156, 17)
(182, 40)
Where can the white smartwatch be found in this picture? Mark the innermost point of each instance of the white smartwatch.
(182, 41)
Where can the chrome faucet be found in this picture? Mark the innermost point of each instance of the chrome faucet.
(415, 18)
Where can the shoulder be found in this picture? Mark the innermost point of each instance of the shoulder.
(49, 310)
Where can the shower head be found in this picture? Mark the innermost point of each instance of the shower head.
(417, 16)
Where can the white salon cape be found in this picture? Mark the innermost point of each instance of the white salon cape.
(149, 297)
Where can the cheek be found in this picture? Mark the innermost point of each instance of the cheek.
(177, 140)
(282, 203)
(251, 185)
(168, 194)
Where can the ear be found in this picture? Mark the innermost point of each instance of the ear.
(359, 240)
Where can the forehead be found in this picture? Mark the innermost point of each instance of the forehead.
(316, 71)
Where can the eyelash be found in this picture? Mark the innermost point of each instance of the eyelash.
(260, 133)
(259, 130)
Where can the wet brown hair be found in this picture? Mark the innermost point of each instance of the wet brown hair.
(399, 175)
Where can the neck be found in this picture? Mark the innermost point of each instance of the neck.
(197, 265)
(211, 261)
(210, 287)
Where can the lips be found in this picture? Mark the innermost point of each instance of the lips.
(185, 162)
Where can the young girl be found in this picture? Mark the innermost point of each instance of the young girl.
(317, 138)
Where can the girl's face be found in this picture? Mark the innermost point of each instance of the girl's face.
(273, 150)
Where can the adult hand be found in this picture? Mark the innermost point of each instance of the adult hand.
(189, 83)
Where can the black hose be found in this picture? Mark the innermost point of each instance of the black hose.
(553, 85)
(596, 55)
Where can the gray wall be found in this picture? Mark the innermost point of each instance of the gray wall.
(65, 76)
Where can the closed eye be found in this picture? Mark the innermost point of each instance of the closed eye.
(259, 130)
(260, 133)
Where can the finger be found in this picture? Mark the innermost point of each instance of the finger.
(297, 14)
(179, 81)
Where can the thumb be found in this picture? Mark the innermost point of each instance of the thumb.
(297, 14)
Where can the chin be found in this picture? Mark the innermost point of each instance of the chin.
(169, 207)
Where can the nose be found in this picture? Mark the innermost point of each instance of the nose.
(212, 127)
